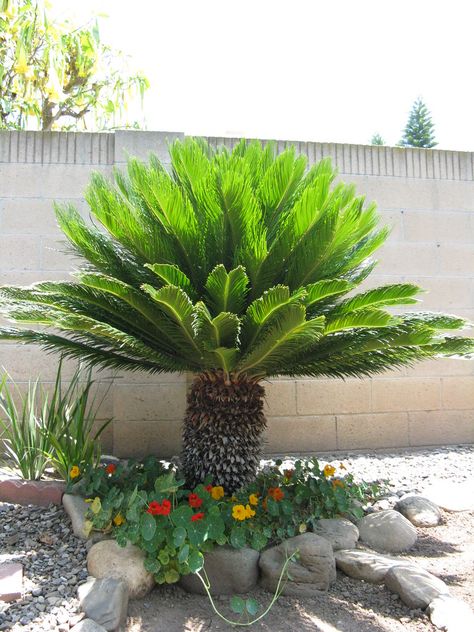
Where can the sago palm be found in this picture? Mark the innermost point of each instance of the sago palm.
(236, 266)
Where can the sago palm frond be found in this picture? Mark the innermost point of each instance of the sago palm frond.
(243, 261)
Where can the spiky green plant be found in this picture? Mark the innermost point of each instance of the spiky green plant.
(236, 266)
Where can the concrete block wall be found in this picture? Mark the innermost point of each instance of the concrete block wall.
(427, 196)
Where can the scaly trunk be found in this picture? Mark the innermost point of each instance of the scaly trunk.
(222, 433)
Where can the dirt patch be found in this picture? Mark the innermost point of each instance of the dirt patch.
(350, 605)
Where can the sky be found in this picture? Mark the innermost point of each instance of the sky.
(314, 70)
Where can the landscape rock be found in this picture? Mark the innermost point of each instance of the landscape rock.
(341, 533)
(367, 565)
(448, 613)
(229, 571)
(416, 587)
(88, 625)
(451, 496)
(315, 568)
(108, 559)
(420, 511)
(76, 508)
(105, 601)
(387, 531)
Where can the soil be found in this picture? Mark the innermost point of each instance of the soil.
(350, 605)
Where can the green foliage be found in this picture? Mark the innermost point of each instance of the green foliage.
(147, 504)
(240, 261)
(56, 429)
(58, 75)
(377, 139)
(419, 130)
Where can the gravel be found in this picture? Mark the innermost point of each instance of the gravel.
(54, 562)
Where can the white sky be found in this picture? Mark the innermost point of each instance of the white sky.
(322, 70)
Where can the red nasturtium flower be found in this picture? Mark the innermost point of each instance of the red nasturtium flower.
(208, 488)
(165, 507)
(194, 501)
(276, 493)
(288, 473)
(154, 508)
(198, 516)
(110, 469)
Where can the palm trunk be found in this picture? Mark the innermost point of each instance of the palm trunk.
(223, 428)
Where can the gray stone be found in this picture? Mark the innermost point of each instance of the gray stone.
(420, 511)
(105, 601)
(108, 559)
(76, 508)
(88, 625)
(451, 614)
(415, 586)
(387, 531)
(314, 569)
(229, 571)
(341, 533)
(367, 565)
(451, 496)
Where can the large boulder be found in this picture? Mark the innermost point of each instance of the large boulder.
(448, 613)
(450, 495)
(105, 601)
(76, 508)
(387, 531)
(229, 571)
(416, 587)
(108, 559)
(341, 533)
(367, 565)
(315, 568)
(420, 511)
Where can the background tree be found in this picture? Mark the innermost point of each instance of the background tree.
(419, 131)
(236, 266)
(57, 76)
(377, 139)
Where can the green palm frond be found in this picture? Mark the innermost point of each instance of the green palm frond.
(239, 260)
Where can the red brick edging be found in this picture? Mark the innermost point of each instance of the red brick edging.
(21, 492)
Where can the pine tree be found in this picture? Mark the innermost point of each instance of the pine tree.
(377, 139)
(419, 131)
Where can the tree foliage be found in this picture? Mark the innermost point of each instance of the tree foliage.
(243, 262)
(58, 76)
(377, 139)
(419, 130)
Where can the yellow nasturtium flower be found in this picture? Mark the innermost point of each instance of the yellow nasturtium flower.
(253, 499)
(217, 492)
(74, 471)
(249, 512)
(118, 520)
(329, 470)
(238, 512)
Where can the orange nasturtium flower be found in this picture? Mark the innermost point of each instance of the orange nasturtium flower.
(338, 483)
(239, 512)
(253, 499)
(217, 492)
(276, 493)
(74, 471)
(118, 520)
(329, 470)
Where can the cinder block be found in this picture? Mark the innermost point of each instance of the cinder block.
(447, 294)
(19, 252)
(394, 220)
(56, 254)
(149, 402)
(433, 226)
(280, 398)
(58, 181)
(329, 397)
(286, 435)
(408, 259)
(141, 144)
(402, 394)
(11, 581)
(458, 393)
(377, 430)
(457, 260)
(140, 438)
(441, 427)
(27, 277)
(440, 367)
